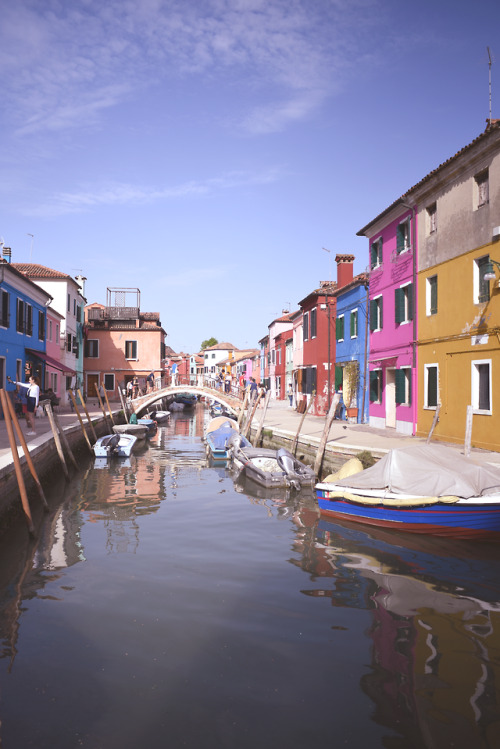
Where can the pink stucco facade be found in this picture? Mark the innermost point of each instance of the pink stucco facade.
(393, 317)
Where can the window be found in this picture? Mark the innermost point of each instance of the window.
(79, 313)
(403, 303)
(92, 348)
(431, 386)
(339, 377)
(213, 356)
(403, 242)
(109, 382)
(482, 188)
(376, 313)
(50, 330)
(339, 328)
(376, 386)
(68, 342)
(24, 321)
(306, 326)
(313, 323)
(481, 386)
(481, 287)
(354, 323)
(4, 309)
(130, 349)
(53, 378)
(431, 295)
(376, 253)
(69, 303)
(309, 380)
(403, 386)
(41, 326)
(432, 218)
(57, 331)
(75, 348)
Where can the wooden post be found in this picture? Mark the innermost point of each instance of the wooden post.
(434, 422)
(27, 455)
(109, 407)
(296, 438)
(326, 431)
(242, 409)
(80, 420)
(87, 413)
(250, 415)
(108, 426)
(125, 411)
(48, 408)
(261, 424)
(17, 463)
(468, 432)
(57, 442)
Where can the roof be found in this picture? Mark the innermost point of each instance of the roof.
(221, 347)
(34, 270)
(492, 125)
(18, 272)
(327, 288)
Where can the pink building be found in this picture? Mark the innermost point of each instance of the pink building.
(54, 368)
(121, 343)
(393, 318)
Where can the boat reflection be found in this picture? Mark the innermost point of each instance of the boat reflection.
(435, 630)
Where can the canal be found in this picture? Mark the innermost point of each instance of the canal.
(162, 606)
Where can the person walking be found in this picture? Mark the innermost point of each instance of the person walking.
(32, 398)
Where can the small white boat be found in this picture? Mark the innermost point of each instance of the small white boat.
(160, 416)
(271, 468)
(114, 445)
(138, 430)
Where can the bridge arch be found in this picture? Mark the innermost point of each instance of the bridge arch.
(145, 402)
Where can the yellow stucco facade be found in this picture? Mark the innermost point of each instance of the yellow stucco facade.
(459, 348)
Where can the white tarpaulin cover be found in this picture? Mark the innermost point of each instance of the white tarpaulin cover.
(429, 471)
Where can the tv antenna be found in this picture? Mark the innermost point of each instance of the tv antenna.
(31, 245)
(490, 62)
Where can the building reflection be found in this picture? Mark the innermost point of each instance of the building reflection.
(435, 630)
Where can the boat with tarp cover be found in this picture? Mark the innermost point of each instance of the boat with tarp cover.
(429, 489)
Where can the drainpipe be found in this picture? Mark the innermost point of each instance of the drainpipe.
(413, 209)
(367, 285)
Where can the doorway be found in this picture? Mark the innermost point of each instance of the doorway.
(390, 398)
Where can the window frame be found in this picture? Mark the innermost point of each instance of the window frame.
(376, 381)
(403, 236)
(480, 286)
(376, 313)
(313, 323)
(429, 308)
(5, 309)
(354, 323)
(431, 211)
(427, 369)
(376, 251)
(403, 386)
(105, 380)
(475, 386)
(403, 304)
(340, 328)
(482, 188)
(95, 342)
(133, 343)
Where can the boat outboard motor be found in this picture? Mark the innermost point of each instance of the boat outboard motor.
(111, 443)
(286, 461)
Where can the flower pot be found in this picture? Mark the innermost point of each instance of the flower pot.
(352, 414)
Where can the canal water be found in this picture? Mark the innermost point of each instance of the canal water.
(163, 606)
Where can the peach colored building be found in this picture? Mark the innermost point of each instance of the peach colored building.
(121, 342)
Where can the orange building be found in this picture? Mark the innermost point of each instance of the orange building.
(121, 342)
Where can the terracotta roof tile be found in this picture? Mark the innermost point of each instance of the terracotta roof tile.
(34, 270)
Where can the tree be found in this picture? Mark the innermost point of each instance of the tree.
(209, 342)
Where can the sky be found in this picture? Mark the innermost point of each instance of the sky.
(206, 151)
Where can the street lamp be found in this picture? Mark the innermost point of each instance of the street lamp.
(489, 271)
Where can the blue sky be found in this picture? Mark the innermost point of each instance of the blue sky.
(206, 151)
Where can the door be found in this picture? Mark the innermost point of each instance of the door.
(390, 398)
(92, 381)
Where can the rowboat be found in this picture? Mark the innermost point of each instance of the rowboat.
(271, 468)
(423, 489)
(114, 446)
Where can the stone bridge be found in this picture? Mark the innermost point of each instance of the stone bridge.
(145, 402)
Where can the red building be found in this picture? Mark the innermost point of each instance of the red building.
(319, 314)
(280, 342)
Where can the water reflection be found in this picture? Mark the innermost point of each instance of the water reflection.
(435, 630)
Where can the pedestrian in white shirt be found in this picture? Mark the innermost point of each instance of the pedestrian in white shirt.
(32, 397)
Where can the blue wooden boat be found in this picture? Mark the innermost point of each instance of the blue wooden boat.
(219, 435)
(423, 489)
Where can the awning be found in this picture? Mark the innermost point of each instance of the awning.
(50, 361)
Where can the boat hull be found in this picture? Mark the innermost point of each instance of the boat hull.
(454, 520)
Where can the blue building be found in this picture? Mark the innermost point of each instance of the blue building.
(352, 342)
(23, 324)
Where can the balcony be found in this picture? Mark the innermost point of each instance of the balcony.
(113, 313)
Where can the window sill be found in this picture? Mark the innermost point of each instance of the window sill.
(482, 412)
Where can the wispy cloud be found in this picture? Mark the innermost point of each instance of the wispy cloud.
(65, 64)
(115, 194)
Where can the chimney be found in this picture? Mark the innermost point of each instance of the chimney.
(344, 269)
(81, 283)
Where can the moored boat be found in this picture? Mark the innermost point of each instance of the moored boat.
(220, 434)
(138, 430)
(423, 489)
(114, 445)
(272, 468)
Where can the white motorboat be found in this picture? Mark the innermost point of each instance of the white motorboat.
(114, 445)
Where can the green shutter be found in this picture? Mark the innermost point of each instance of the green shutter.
(434, 295)
(373, 387)
(431, 386)
(400, 386)
(373, 255)
(354, 323)
(381, 312)
(410, 302)
(400, 240)
(399, 310)
(339, 328)
(339, 377)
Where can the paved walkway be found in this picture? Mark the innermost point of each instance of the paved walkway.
(280, 418)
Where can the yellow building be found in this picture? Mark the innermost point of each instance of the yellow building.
(459, 295)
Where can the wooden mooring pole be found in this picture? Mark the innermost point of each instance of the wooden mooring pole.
(57, 441)
(87, 413)
(263, 416)
(306, 411)
(108, 426)
(73, 399)
(17, 462)
(48, 408)
(326, 432)
(27, 455)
